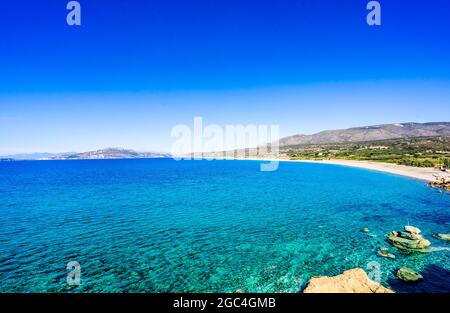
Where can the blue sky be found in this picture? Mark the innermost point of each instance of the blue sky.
(135, 69)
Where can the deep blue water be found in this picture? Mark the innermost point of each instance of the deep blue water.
(158, 225)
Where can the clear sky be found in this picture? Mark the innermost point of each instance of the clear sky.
(135, 69)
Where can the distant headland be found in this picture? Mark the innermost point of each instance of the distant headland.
(107, 153)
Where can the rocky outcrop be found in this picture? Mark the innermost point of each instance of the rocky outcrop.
(445, 237)
(408, 275)
(351, 281)
(409, 240)
(440, 181)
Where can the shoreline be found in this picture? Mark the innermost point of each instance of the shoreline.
(421, 173)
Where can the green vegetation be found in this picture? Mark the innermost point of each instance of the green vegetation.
(421, 152)
(446, 163)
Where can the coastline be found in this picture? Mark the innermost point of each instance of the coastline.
(421, 173)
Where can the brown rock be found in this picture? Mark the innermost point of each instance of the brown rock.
(384, 253)
(351, 281)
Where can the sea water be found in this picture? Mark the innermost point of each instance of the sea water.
(160, 225)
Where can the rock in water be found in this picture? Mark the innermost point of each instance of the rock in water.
(412, 230)
(409, 240)
(408, 275)
(351, 281)
(442, 236)
(384, 253)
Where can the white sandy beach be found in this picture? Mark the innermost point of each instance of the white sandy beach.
(422, 173)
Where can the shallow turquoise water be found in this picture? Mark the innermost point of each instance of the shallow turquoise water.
(158, 225)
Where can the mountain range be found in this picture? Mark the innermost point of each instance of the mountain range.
(370, 133)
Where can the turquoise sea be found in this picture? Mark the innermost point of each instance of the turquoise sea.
(159, 225)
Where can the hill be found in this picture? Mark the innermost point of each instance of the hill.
(371, 133)
(415, 144)
(110, 153)
(420, 151)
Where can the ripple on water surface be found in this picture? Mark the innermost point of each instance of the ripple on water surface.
(208, 226)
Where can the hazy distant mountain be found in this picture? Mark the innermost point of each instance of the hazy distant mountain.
(29, 156)
(371, 133)
(110, 153)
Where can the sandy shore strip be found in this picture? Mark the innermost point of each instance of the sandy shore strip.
(422, 173)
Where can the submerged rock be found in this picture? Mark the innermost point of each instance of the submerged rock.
(351, 281)
(408, 275)
(442, 236)
(409, 240)
(384, 253)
